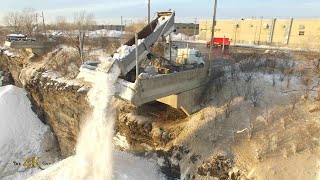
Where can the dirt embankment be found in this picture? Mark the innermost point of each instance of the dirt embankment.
(55, 100)
(238, 128)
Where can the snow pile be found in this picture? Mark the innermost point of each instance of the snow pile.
(56, 77)
(125, 50)
(22, 134)
(105, 33)
(1, 78)
(8, 53)
(186, 38)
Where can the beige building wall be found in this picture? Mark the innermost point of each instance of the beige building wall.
(299, 33)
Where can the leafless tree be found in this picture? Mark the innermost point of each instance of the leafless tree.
(227, 107)
(290, 72)
(306, 80)
(267, 112)
(13, 21)
(256, 96)
(76, 32)
(294, 99)
(234, 73)
(274, 80)
(21, 22)
(250, 129)
(28, 17)
(248, 68)
(316, 69)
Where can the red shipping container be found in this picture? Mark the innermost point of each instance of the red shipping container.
(219, 42)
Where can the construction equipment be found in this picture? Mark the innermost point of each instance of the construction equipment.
(161, 27)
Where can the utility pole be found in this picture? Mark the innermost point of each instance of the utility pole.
(149, 5)
(212, 33)
(255, 32)
(195, 28)
(121, 26)
(37, 24)
(137, 56)
(44, 25)
(260, 30)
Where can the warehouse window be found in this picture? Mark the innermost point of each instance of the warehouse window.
(190, 27)
(301, 26)
(301, 33)
(178, 27)
(184, 28)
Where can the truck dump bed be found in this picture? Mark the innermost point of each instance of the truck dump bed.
(162, 26)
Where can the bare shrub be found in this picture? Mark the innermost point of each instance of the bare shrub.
(290, 72)
(250, 128)
(76, 31)
(64, 61)
(267, 111)
(293, 148)
(248, 69)
(316, 69)
(306, 80)
(274, 80)
(285, 152)
(219, 83)
(274, 143)
(256, 96)
(294, 99)
(284, 123)
(258, 153)
(234, 74)
(227, 107)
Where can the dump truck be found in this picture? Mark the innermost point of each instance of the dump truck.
(187, 57)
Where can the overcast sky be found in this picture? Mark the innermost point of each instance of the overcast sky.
(109, 11)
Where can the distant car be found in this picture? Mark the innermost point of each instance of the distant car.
(16, 37)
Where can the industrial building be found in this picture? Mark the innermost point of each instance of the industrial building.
(295, 33)
(189, 29)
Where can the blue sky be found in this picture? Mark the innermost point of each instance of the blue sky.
(109, 11)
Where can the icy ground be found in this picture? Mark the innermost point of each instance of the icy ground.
(1, 78)
(22, 135)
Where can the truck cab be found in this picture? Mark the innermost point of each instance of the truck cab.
(188, 56)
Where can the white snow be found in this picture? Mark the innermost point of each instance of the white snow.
(1, 78)
(125, 50)
(55, 76)
(185, 38)
(8, 53)
(105, 33)
(22, 134)
(94, 34)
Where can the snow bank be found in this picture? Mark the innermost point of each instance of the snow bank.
(1, 78)
(186, 38)
(22, 134)
(126, 167)
(8, 53)
(274, 47)
(105, 33)
(94, 34)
